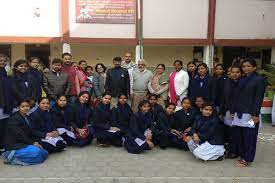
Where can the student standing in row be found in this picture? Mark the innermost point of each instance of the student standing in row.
(6, 101)
(23, 85)
(36, 75)
(248, 105)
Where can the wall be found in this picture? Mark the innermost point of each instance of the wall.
(245, 19)
(175, 18)
(19, 18)
(17, 52)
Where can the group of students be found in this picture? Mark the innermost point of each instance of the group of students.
(218, 110)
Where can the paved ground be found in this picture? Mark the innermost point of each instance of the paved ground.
(115, 165)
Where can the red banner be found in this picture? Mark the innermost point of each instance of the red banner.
(105, 11)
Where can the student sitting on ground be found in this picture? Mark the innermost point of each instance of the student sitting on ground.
(21, 146)
(121, 114)
(105, 132)
(142, 127)
(169, 134)
(82, 119)
(44, 129)
(206, 136)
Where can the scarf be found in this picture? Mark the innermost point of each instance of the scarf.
(128, 66)
(172, 89)
(5, 92)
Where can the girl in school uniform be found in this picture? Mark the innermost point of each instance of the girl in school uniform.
(204, 85)
(5, 98)
(246, 117)
(36, 75)
(198, 103)
(121, 114)
(44, 129)
(21, 147)
(142, 127)
(168, 131)
(23, 85)
(220, 80)
(185, 117)
(191, 69)
(63, 116)
(106, 133)
(230, 92)
(82, 119)
(155, 108)
(205, 139)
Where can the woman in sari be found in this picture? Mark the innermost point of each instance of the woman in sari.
(159, 84)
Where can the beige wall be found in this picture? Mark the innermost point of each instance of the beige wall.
(167, 54)
(17, 52)
(105, 54)
(175, 18)
(245, 19)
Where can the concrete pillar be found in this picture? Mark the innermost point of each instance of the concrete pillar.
(208, 55)
(139, 51)
(273, 55)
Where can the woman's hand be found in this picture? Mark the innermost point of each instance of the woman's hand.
(50, 134)
(256, 119)
(81, 131)
(55, 133)
(196, 138)
(38, 145)
(151, 145)
(148, 135)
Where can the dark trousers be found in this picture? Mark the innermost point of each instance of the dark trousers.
(167, 139)
(244, 142)
(105, 137)
(3, 123)
(132, 147)
(60, 146)
(77, 142)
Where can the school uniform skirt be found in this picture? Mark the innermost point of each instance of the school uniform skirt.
(206, 151)
(168, 139)
(29, 155)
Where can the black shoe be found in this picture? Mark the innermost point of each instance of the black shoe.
(231, 156)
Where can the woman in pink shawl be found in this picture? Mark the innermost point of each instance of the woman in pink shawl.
(179, 82)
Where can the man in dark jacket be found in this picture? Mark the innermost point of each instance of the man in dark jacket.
(56, 82)
(117, 81)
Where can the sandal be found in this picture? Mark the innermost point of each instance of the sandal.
(242, 163)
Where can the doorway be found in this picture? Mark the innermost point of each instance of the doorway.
(229, 53)
(42, 51)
